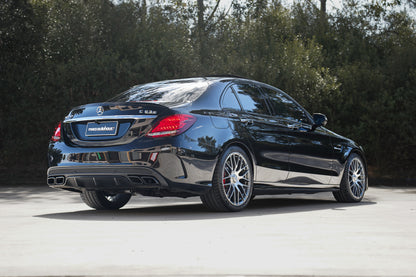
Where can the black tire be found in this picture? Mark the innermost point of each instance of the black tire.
(354, 181)
(232, 182)
(100, 200)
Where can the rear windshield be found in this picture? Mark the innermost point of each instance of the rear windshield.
(167, 92)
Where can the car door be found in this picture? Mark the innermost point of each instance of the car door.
(266, 135)
(311, 153)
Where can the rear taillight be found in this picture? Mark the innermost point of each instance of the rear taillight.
(172, 125)
(57, 135)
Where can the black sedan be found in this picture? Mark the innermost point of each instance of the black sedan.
(225, 139)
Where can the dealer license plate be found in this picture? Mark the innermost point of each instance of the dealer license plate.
(106, 128)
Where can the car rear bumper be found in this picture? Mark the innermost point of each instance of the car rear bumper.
(119, 178)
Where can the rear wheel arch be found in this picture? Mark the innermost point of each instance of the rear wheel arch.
(246, 149)
(232, 181)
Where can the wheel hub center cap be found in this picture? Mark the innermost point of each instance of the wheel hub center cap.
(354, 178)
(234, 178)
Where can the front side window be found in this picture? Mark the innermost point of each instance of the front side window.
(284, 106)
(251, 98)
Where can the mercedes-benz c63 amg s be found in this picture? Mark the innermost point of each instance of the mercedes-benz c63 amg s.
(224, 139)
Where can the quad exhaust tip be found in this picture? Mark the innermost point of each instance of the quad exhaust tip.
(56, 180)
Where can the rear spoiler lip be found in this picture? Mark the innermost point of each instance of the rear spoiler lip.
(107, 117)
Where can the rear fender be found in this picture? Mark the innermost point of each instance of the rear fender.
(247, 149)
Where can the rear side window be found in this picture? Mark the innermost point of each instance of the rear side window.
(174, 92)
(284, 106)
(229, 101)
(251, 98)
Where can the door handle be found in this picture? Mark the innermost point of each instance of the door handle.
(338, 148)
(246, 121)
(293, 126)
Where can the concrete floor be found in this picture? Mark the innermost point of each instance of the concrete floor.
(46, 232)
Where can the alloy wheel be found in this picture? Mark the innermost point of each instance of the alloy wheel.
(236, 179)
(356, 177)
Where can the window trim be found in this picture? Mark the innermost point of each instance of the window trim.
(229, 86)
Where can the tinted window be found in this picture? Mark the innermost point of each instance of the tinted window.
(178, 92)
(284, 106)
(251, 98)
(229, 101)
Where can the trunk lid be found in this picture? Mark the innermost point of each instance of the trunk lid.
(100, 124)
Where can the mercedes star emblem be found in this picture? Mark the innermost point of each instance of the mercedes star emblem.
(100, 110)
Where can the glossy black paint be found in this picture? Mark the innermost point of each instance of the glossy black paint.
(288, 154)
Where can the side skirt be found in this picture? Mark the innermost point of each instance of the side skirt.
(260, 189)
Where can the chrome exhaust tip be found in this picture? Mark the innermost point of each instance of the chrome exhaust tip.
(60, 180)
(56, 180)
(51, 181)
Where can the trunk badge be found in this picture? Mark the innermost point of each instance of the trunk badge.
(100, 110)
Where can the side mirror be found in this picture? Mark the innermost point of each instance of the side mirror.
(319, 120)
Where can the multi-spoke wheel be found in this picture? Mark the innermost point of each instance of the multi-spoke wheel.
(236, 179)
(100, 200)
(232, 184)
(354, 181)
